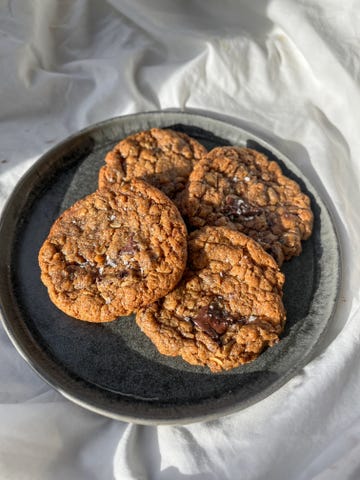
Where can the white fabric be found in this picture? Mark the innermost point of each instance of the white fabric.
(288, 70)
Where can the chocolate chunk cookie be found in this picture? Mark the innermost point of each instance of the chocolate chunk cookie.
(113, 252)
(226, 309)
(162, 157)
(241, 188)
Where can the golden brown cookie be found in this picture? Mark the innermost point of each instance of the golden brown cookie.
(226, 309)
(162, 157)
(113, 252)
(241, 188)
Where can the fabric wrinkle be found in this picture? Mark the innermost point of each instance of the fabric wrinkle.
(287, 71)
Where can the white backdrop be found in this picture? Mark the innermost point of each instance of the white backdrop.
(287, 70)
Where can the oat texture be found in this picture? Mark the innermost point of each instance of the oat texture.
(226, 309)
(113, 252)
(162, 157)
(241, 188)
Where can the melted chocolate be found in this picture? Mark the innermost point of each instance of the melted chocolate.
(122, 274)
(130, 247)
(235, 207)
(214, 320)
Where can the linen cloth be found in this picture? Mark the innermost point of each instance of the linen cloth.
(286, 70)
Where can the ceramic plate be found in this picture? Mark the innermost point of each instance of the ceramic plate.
(112, 368)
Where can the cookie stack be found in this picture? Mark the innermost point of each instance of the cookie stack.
(189, 240)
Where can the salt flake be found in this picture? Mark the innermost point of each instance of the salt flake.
(110, 262)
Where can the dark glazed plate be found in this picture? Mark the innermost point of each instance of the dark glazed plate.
(112, 368)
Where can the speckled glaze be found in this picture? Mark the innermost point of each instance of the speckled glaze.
(112, 368)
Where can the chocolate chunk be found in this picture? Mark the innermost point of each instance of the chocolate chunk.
(214, 320)
(130, 247)
(122, 274)
(235, 207)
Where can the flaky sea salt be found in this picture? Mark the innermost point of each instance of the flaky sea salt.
(110, 262)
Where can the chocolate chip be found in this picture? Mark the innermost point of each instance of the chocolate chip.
(130, 247)
(122, 274)
(236, 207)
(214, 320)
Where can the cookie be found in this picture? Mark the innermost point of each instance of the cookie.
(113, 252)
(162, 157)
(226, 309)
(241, 188)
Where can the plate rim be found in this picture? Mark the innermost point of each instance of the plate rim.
(190, 119)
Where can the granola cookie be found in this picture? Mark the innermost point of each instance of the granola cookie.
(113, 252)
(226, 309)
(162, 157)
(241, 188)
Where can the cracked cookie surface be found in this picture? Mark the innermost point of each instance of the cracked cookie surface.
(162, 157)
(239, 187)
(114, 252)
(227, 307)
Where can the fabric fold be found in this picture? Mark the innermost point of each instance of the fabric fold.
(287, 71)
